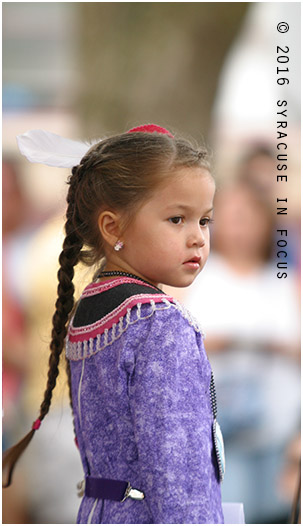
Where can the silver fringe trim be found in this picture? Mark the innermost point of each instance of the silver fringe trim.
(85, 349)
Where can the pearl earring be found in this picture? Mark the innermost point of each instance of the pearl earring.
(118, 245)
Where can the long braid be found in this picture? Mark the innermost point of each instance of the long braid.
(68, 258)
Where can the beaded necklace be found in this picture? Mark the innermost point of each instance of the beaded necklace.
(110, 273)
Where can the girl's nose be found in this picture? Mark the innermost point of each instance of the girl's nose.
(197, 238)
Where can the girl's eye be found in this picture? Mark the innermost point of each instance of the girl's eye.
(176, 220)
(206, 221)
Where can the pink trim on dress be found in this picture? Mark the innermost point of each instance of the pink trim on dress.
(79, 334)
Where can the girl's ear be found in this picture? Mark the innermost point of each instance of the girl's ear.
(109, 226)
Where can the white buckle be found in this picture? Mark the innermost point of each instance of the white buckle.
(136, 494)
(133, 493)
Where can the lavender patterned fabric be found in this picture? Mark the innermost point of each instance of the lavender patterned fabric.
(143, 414)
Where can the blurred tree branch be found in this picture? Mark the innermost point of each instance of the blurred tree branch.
(152, 62)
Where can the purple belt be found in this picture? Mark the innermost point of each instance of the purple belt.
(99, 488)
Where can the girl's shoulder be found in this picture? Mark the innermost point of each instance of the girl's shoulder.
(107, 310)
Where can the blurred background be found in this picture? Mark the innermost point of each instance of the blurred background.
(208, 71)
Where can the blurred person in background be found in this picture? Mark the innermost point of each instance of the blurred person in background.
(15, 222)
(32, 238)
(290, 480)
(252, 326)
(258, 167)
(14, 351)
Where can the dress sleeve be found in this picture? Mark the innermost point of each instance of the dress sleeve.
(171, 410)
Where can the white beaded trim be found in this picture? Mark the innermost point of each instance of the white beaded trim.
(189, 317)
(85, 349)
(139, 298)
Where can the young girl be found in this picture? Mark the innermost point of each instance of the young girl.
(139, 207)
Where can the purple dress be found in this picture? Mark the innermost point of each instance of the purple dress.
(141, 400)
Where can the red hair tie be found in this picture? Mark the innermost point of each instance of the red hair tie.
(151, 128)
(36, 424)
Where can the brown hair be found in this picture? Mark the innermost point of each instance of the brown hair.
(118, 173)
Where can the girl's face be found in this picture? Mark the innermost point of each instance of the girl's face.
(168, 240)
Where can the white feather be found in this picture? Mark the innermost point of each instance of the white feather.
(40, 146)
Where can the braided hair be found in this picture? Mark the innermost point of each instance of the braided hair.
(119, 173)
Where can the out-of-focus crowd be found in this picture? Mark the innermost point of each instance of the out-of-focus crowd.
(44, 483)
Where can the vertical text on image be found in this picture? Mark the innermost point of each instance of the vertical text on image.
(282, 157)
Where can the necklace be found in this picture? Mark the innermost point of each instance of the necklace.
(110, 273)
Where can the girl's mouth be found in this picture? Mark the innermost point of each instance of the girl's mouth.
(193, 263)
